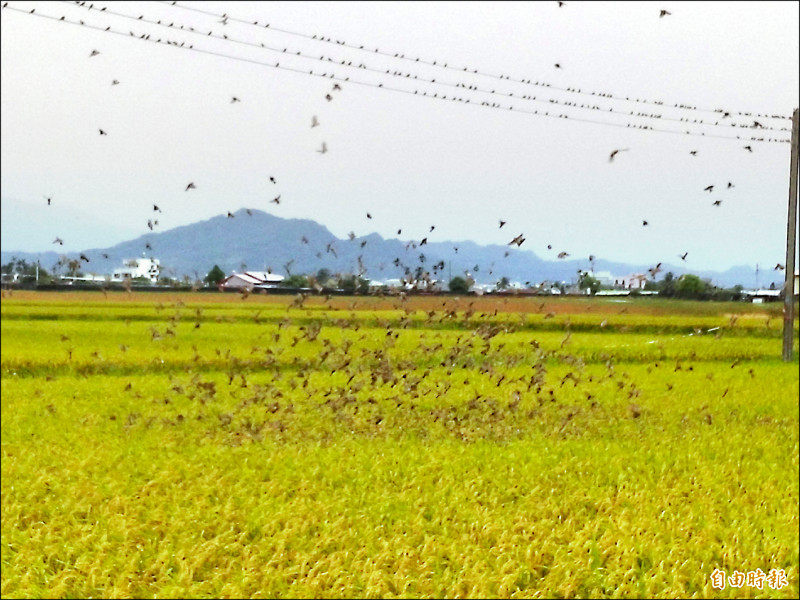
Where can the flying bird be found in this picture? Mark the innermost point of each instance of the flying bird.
(148, 246)
(560, 3)
(102, 132)
(105, 255)
(48, 198)
(502, 223)
(693, 152)
(235, 99)
(369, 216)
(191, 186)
(708, 189)
(336, 86)
(558, 66)
(717, 202)
(84, 257)
(644, 223)
(328, 97)
(94, 53)
(150, 224)
(684, 255)
(563, 254)
(748, 148)
(779, 267)
(314, 122)
(615, 152)
(324, 148)
(272, 179)
(730, 185)
(155, 208)
(549, 246)
(58, 241)
(115, 82)
(249, 212)
(432, 228)
(276, 199)
(664, 13)
(517, 240)
(230, 215)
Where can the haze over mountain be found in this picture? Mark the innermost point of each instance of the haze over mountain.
(263, 242)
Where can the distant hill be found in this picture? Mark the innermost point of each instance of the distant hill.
(260, 241)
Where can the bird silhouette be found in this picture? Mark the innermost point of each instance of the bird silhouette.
(558, 66)
(148, 246)
(517, 240)
(84, 257)
(423, 242)
(563, 254)
(276, 199)
(684, 255)
(150, 224)
(272, 179)
(717, 202)
(708, 189)
(748, 148)
(615, 152)
(432, 228)
(230, 215)
(502, 223)
(191, 186)
(336, 86)
(324, 148)
(94, 53)
(693, 152)
(48, 198)
(235, 99)
(249, 212)
(560, 3)
(645, 223)
(328, 97)
(314, 121)
(58, 241)
(549, 247)
(102, 132)
(105, 255)
(115, 82)
(369, 216)
(779, 267)
(664, 13)
(155, 208)
(399, 231)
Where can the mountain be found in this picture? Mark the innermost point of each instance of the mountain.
(260, 241)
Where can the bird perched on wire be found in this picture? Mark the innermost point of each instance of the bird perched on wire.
(324, 148)
(615, 152)
(191, 186)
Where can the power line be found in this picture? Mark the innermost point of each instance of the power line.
(473, 71)
(332, 76)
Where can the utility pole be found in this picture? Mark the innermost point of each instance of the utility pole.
(791, 243)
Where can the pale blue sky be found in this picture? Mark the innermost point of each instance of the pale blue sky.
(410, 161)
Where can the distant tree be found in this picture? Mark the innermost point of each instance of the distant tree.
(458, 285)
(215, 276)
(503, 283)
(295, 281)
(666, 287)
(323, 276)
(350, 284)
(587, 282)
(692, 287)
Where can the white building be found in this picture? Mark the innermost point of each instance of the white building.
(251, 279)
(138, 267)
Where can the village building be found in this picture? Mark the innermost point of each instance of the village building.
(250, 279)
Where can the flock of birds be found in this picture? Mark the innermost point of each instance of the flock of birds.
(516, 241)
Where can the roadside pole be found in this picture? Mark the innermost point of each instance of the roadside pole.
(791, 244)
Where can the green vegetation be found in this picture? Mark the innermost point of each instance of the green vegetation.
(180, 445)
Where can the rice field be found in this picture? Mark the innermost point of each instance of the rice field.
(206, 445)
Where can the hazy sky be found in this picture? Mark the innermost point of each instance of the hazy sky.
(410, 161)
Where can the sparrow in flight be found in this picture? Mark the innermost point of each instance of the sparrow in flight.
(58, 241)
(664, 13)
(191, 186)
(94, 53)
(314, 122)
(615, 152)
(324, 148)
